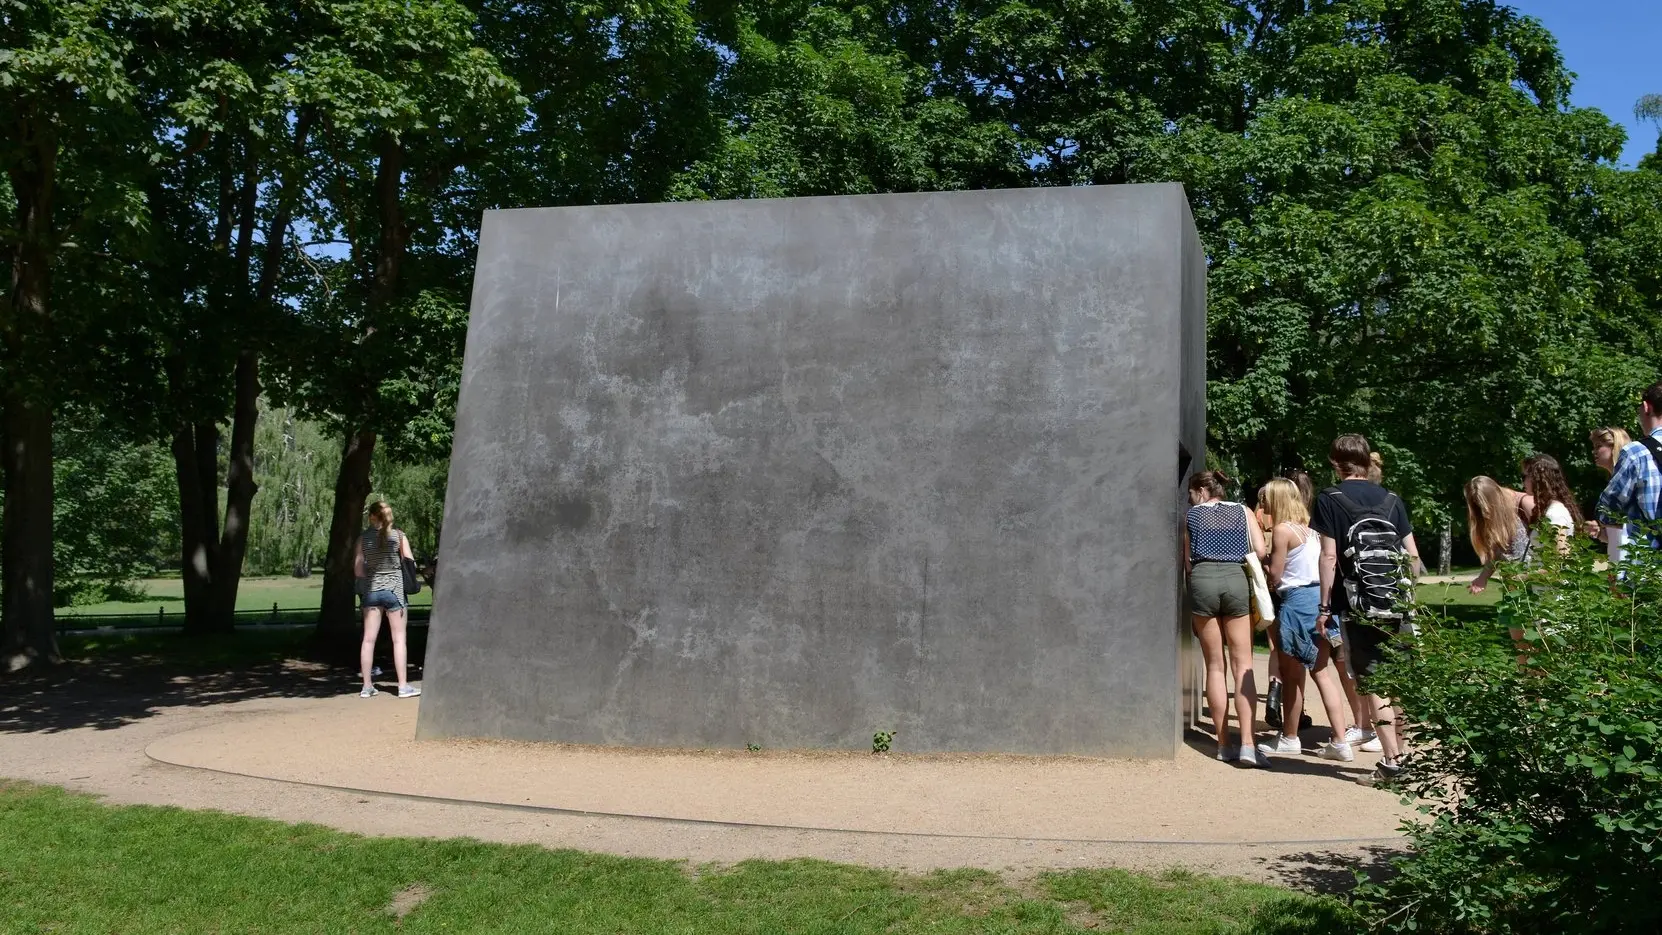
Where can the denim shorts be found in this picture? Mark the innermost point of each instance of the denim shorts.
(386, 600)
(1296, 623)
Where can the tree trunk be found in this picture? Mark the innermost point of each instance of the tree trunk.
(1445, 549)
(29, 635)
(196, 464)
(337, 624)
(240, 490)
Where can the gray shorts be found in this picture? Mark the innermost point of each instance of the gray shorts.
(1219, 589)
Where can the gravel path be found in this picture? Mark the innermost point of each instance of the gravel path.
(272, 743)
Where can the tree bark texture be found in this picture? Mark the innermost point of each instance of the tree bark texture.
(240, 486)
(27, 633)
(337, 625)
(30, 635)
(196, 464)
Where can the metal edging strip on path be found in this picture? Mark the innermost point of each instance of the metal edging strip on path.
(761, 826)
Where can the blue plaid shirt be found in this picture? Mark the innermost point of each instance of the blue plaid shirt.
(1635, 490)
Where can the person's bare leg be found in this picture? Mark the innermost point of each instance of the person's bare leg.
(1292, 694)
(1384, 721)
(366, 652)
(396, 620)
(1210, 637)
(1326, 677)
(1358, 709)
(1238, 635)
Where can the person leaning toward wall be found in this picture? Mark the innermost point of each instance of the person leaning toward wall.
(379, 566)
(1217, 536)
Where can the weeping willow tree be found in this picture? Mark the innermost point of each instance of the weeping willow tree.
(296, 462)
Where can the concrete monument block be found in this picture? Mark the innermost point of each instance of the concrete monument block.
(790, 472)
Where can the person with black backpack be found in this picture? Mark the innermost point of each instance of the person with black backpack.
(1368, 561)
(1634, 494)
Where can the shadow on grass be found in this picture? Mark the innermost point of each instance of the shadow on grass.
(112, 680)
(1331, 873)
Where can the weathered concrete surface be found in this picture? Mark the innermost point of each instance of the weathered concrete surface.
(788, 472)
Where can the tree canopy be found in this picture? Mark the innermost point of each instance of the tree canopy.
(1410, 232)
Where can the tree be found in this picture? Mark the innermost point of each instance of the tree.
(1649, 108)
(1387, 191)
(817, 100)
(296, 461)
(232, 160)
(71, 145)
(377, 340)
(116, 507)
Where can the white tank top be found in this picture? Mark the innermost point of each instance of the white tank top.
(1303, 561)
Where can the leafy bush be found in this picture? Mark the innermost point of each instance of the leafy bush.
(114, 516)
(1538, 764)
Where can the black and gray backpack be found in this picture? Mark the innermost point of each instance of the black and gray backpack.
(1375, 562)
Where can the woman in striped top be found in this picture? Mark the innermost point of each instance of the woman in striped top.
(379, 566)
(1216, 540)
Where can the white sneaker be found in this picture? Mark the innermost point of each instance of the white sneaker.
(1371, 745)
(1356, 735)
(408, 691)
(368, 692)
(1283, 746)
(1251, 758)
(1337, 751)
(1228, 754)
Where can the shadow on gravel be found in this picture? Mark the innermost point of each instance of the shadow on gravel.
(1331, 873)
(114, 680)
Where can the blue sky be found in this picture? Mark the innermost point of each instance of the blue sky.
(1615, 49)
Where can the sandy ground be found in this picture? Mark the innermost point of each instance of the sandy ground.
(294, 744)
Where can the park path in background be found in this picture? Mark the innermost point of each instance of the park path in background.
(286, 754)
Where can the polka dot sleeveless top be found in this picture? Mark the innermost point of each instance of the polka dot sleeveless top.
(1218, 532)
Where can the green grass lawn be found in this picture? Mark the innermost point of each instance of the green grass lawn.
(70, 864)
(253, 594)
(1455, 594)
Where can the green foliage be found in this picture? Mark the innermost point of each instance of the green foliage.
(818, 102)
(1540, 766)
(295, 461)
(377, 341)
(881, 740)
(115, 514)
(1409, 232)
(416, 492)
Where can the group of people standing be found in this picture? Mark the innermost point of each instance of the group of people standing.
(1340, 563)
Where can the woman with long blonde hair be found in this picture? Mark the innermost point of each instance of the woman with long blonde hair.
(1295, 572)
(1608, 443)
(379, 566)
(1495, 523)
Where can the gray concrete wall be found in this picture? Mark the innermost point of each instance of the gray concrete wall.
(788, 472)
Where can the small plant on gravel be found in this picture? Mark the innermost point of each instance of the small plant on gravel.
(753, 747)
(880, 741)
(1537, 762)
